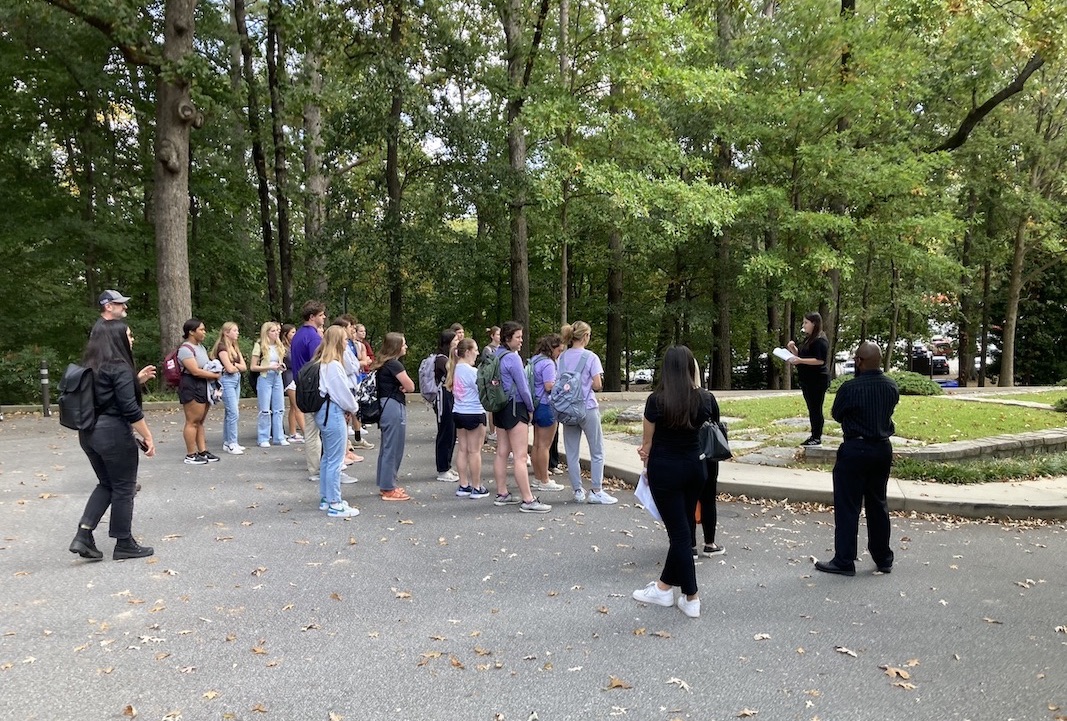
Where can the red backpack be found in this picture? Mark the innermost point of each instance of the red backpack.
(172, 367)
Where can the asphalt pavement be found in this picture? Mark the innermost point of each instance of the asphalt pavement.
(258, 606)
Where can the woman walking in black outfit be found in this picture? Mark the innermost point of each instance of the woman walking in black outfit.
(813, 372)
(110, 446)
(670, 448)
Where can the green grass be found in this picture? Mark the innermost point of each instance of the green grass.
(920, 418)
(1001, 469)
(1049, 397)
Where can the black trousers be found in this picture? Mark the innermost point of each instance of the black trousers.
(446, 431)
(709, 511)
(113, 454)
(814, 396)
(675, 483)
(553, 451)
(861, 474)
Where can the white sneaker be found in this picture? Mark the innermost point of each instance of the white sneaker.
(341, 510)
(283, 442)
(652, 594)
(265, 444)
(233, 450)
(547, 486)
(351, 431)
(345, 478)
(314, 477)
(296, 438)
(448, 476)
(689, 608)
(602, 497)
(579, 496)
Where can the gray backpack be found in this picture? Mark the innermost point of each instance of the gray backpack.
(566, 398)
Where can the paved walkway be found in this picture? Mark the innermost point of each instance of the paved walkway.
(1043, 498)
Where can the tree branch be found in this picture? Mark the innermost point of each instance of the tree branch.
(978, 114)
(135, 54)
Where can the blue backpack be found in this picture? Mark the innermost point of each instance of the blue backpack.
(566, 398)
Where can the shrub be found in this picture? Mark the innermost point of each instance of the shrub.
(20, 375)
(910, 384)
(1060, 405)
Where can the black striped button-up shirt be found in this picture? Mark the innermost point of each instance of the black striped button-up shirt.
(864, 406)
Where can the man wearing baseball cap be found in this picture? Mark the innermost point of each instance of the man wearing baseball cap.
(112, 305)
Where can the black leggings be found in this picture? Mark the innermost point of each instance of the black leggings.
(814, 396)
(445, 442)
(113, 454)
(709, 513)
(675, 483)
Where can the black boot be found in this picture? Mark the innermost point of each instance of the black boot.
(129, 548)
(84, 545)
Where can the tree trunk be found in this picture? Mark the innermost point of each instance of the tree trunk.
(175, 113)
(393, 231)
(276, 79)
(1011, 315)
(520, 60)
(315, 180)
(565, 141)
(259, 160)
(965, 340)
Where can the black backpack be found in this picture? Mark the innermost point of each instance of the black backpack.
(308, 399)
(77, 398)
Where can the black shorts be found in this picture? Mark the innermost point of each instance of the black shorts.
(512, 415)
(192, 389)
(468, 421)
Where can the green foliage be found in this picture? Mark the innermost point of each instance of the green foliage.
(1060, 405)
(910, 384)
(1002, 469)
(20, 374)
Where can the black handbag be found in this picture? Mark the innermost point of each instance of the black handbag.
(714, 445)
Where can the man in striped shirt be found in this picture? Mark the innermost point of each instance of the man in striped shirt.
(864, 408)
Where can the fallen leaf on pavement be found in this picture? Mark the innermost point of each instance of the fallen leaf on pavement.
(679, 683)
(747, 713)
(616, 682)
(846, 651)
(894, 672)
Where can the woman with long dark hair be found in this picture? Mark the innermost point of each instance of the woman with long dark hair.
(445, 442)
(110, 445)
(813, 371)
(393, 383)
(670, 448)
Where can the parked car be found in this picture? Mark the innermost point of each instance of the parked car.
(848, 367)
(939, 365)
(642, 376)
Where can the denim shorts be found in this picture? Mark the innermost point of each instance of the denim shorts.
(543, 416)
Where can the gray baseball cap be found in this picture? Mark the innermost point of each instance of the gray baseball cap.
(112, 296)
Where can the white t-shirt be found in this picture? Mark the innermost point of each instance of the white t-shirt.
(465, 390)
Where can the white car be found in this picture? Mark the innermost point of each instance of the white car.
(848, 367)
(642, 376)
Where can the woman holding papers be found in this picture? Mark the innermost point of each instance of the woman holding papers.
(814, 373)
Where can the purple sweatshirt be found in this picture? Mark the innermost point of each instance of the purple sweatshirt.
(513, 377)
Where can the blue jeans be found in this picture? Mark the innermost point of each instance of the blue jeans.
(334, 436)
(271, 407)
(231, 394)
(572, 442)
(394, 426)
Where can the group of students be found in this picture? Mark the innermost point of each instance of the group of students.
(462, 420)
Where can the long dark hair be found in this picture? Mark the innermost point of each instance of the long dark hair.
(679, 400)
(444, 342)
(816, 330)
(109, 345)
(548, 343)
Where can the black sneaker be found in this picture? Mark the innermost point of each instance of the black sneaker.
(811, 442)
(126, 548)
(195, 459)
(209, 457)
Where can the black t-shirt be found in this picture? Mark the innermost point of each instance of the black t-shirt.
(680, 441)
(388, 385)
(817, 348)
